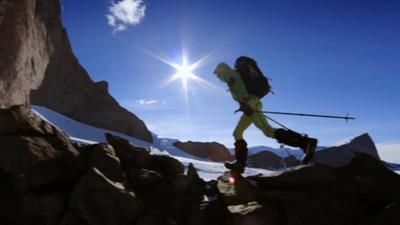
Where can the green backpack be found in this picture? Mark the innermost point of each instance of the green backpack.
(255, 81)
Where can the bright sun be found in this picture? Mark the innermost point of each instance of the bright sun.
(184, 71)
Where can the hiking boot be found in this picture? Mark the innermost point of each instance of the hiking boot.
(235, 166)
(294, 139)
(309, 150)
(240, 155)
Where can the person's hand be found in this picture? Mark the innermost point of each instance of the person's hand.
(246, 109)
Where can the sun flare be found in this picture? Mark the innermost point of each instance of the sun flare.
(184, 71)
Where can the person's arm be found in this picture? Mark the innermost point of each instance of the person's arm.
(236, 87)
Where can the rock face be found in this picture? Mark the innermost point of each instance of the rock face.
(33, 151)
(208, 150)
(25, 48)
(136, 158)
(341, 155)
(35, 54)
(332, 156)
(34, 157)
(266, 160)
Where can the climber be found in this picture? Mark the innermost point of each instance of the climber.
(243, 91)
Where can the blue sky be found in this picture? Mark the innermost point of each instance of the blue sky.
(324, 57)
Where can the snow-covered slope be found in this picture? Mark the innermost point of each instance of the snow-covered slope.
(389, 151)
(86, 134)
(282, 152)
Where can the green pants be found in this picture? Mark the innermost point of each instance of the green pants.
(258, 120)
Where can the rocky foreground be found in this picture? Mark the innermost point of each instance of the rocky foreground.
(45, 179)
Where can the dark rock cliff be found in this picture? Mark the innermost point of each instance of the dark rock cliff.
(35, 54)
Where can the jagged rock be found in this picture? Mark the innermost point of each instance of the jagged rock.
(155, 191)
(134, 158)
(207, 150)
(39, 167)
(240, 198)
(145, 177)
(332, 156)
(177, 198)
(102, 86)
(67, 88)
(236, 189)
(102, 157)
(192, 172)
(341, 155)
(131, 156)
(362, 192)
(25, 49)
(99, 201)
(266, 160)
(33, 151)
(190, 183)
(347, 195)
(165, 165)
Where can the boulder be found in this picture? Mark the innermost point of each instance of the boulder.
(342, 155)
(177, 198)
(333, 156)
(208, 150)
(266, 160)
(33, 151)
(130, 155)
(103, 158)
(99, 201)
(165, 165)
(315, 194)
(134, 158)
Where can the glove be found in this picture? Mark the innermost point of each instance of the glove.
(246, 109)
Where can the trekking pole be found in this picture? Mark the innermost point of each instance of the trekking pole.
(347, 117)
(280, 124)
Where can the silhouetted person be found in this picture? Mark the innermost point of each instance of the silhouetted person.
(251, 106)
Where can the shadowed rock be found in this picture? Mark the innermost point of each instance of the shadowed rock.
(266, 160)
(135, 158)
(342, 155)
(103, 158)
(207, 150)
(332, 156)
(100, 201)
(346, 195)
(33, 151)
